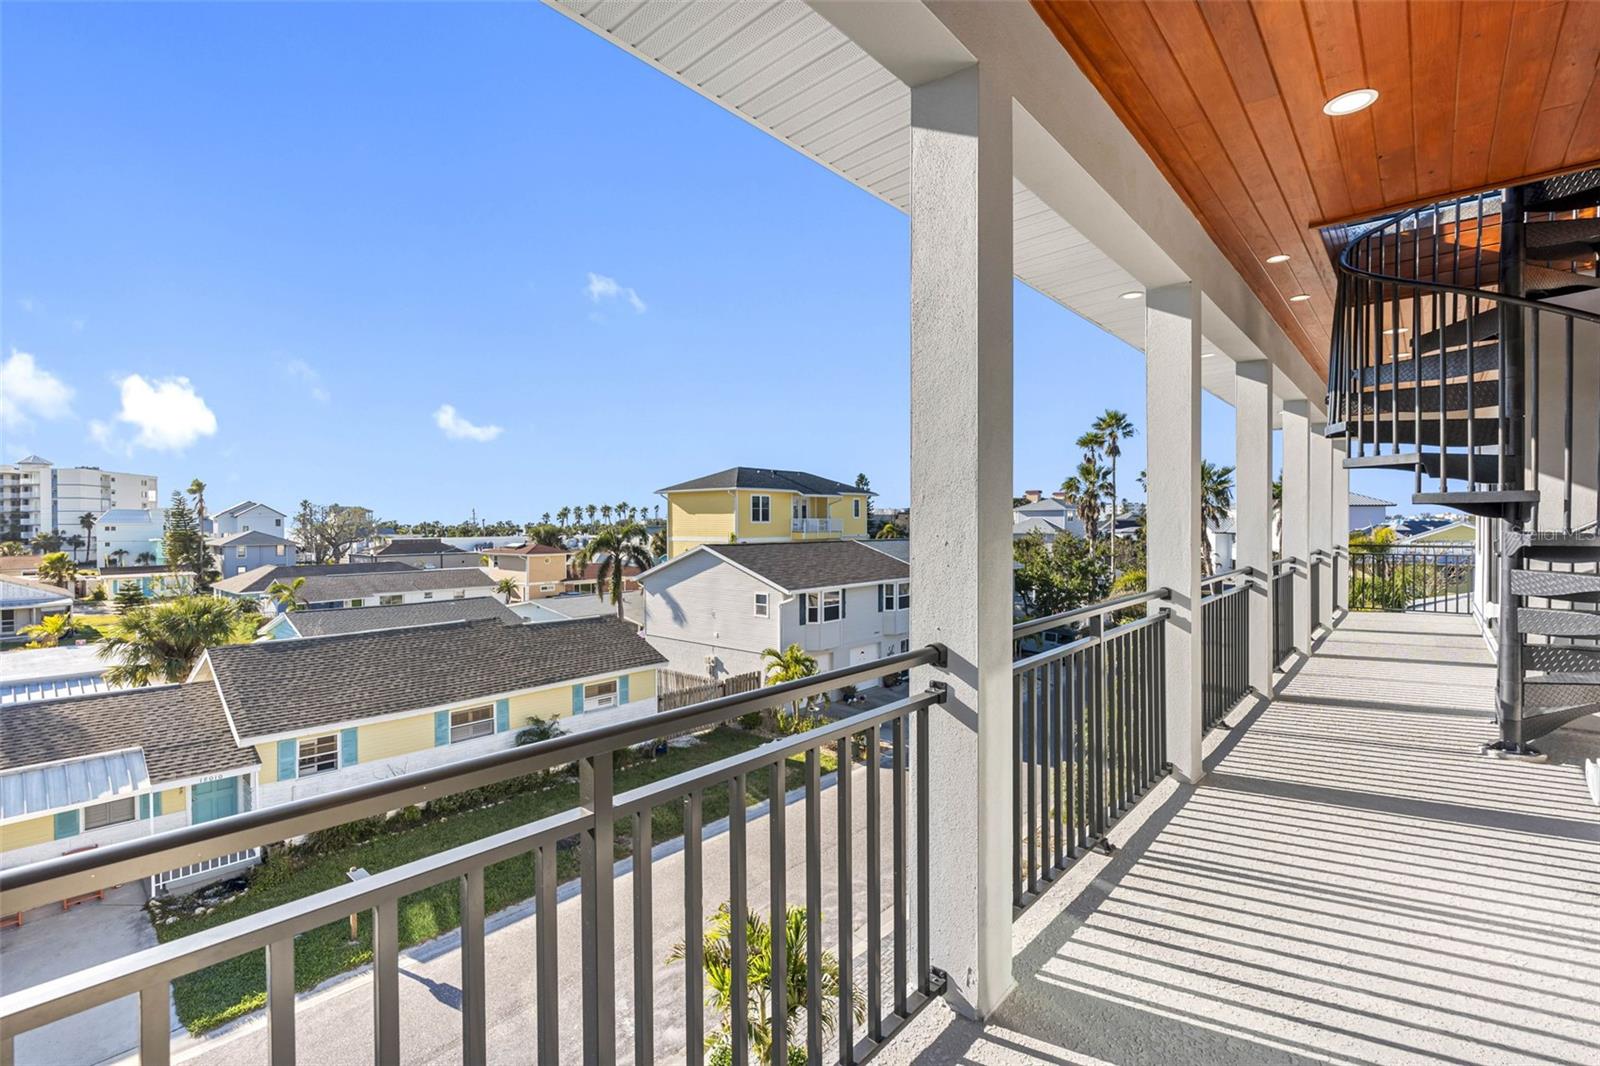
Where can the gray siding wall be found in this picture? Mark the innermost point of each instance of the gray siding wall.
(703, 606)
(862, 626)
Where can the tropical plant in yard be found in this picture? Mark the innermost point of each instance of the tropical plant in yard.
(288, 594)
(129, 596)
(658, 544)
(718, 965)
(48, 633)
(1113, 427)
(119, 555)
(75, 543)
(605, 513)
(86, 522)
(791, 664)
(545, 534)
(561, 516)
(1086, 490)
(13, 547)
(1216, 498)
(197, 491)
(142, 559)
(161, 642)
(615, 549)
(57, 568)
(46, 543)
(506, 587)
(888, 531)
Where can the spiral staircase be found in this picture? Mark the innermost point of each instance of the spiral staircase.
(1465, 339)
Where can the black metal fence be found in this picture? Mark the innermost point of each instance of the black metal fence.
(1283, 571)
(1225, 644)
(1090, 721)
(1430, 578)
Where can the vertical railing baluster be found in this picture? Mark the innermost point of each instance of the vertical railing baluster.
(385, 983)
(597, 857)
(778, 868)
(155, 1026)
(738, 920)
(474, 1008)
(1098, 757)
(1057, 706)
(1074, 777)
(1533, 414)
(1030, 770)
(845, 1013)
(924, 842)
(693, 921)
(546, 938)
(1566, 460)
(644, 989)
(1018, 797)
(874, 890)
(813, 814)
(897, 858)
(280, 1001)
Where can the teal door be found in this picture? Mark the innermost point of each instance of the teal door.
(215, 799)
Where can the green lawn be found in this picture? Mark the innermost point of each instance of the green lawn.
(220, 993)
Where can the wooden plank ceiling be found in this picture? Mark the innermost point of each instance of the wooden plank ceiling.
(1227, 98)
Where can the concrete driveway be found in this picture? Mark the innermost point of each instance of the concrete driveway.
(52, 942)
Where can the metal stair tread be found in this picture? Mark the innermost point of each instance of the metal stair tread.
(1552, 584)
(1549, 622)
(1484, 327)
(1484, 358)
(1591, 677)
(1541, 279)
(1560, 658)
(1561, 238)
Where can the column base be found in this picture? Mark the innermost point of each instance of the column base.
(1501, 749)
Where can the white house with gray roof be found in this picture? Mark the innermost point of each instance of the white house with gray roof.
(712, 610)
(248, 516)
(358, 584)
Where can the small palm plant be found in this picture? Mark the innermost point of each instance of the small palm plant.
(162, 642)
(505, 587)
(48, 633)
(288, 595)
(57, 568)
(718, 966)
(791, 664)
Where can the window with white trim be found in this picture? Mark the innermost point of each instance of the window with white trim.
(318, 755)
(824, 606)
(238, 553)
(470, 723)
(905, 596)
(760, 508)
(111, 812)
(600, 695)
(390, 600)
(855, 508)
(280, 551)
(763, 604)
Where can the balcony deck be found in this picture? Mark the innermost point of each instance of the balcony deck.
(1352, 882)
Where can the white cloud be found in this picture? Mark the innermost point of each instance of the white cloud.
(27, 393)
(306, 374)
(167, 412)
(601, 288)
(457, 428)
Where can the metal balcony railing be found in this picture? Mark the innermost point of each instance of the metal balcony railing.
(816, 525)
(1225, 637)
(1090, 728)
(1283, 573)
(899, 978)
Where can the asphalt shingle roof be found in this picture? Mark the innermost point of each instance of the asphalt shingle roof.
(250, 536)
(420, 546)
(289, 686)
(760, 477)
(180, 727)
(815, 564)
(261, 577)
(400, 615)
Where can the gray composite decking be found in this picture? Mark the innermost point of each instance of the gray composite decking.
(1352, 882)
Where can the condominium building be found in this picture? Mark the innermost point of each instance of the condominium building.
(36, 496)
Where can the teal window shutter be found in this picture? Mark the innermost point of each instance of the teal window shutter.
(288, 760)
(66, 824)
(502, 715)
(441, 728)
(144, 805)
(157, 804)
(577, 699)
(622, 689)
(347, 747)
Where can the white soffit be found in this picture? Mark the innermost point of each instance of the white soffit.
(786, 69)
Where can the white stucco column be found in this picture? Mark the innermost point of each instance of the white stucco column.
(1321, 519)
(961, 441)
(1339, 522)
(1172, 475)
(1297, 511)
(1252, 479)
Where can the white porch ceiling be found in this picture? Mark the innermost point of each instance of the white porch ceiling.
(789, 71)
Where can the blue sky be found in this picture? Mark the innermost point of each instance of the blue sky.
(431, 258)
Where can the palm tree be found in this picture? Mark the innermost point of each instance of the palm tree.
(717, 961)
(592, 510)
(118, 556)
(197, 489)
(544, 519)
(1114, 427)
(505, 587)
(288, 595)
(621, 511)
(13, 547)
(46, 543)
(86, 522)
(162, 642)
(658, 544)
(1085, 490)
(47, 634)
(547, 535)
(75, 542)
(615, 549)
(57, 568)
(142, 559)
(605, 513)
(561, 516)
(790, 664)
(1216, 497)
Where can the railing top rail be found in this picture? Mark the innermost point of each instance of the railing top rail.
(1397, 221)
(1286, 563)
(1230, 575)
(72, 993)
(1073, 647)
(1104, 607)
(33, 885)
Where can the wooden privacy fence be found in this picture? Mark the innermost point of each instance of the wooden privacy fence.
(675, 689)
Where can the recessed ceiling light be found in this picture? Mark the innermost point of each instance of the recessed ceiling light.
(1134, 295)
(1351, 102)
(1279, 258)
(1299, 297)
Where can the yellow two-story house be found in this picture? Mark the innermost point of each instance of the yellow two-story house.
(753, 504)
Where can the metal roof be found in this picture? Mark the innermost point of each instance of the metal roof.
(52, 688)
(72, 783)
